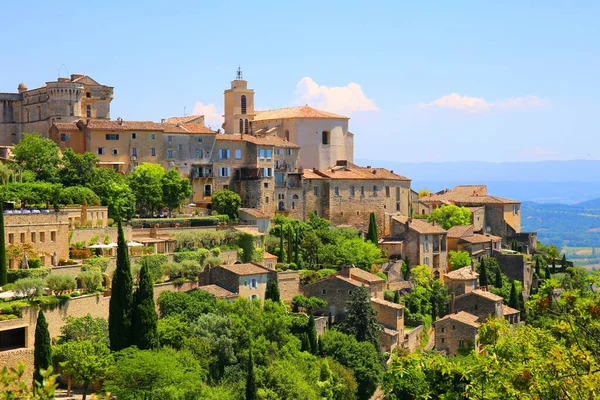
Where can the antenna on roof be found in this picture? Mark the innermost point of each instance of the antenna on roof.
(184, 111)
(238, 74)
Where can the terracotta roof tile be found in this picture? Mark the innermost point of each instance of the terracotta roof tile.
(183, 120)
(255, 212)
(124, 125)
(479, 238)
(418, 225)
(387, 303)
(459, 231)
(506, 310)
(269, 256)
(245, 269)
(466, 195)
(484, 294)
(463, 317)
(361, 274)
(197, 128)
(66, 126)
(462, 274)
(295, 112)
(350, 171)
(343, 278)
(218, 291)
(271, 140)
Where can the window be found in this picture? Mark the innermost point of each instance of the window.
(254, 284)
(316, 191)
(243, 104)
(442, 330)
(397, 194)
(32, 237)
(170, 153)
(362, 190)
(352, 190)
(22, 238)
(11, 238)
(443, 340)
(426, 260)
(199, 139)
(278, 152)
(453, 327)
(180, 147)
(134, 135)
(289, 152)
(88, 94)
(101, 151)
(336, 190)
(112, 136)
(267, 200)
(387, 191)
(88, 111)
(246, 126)
(515, 209)
(266, 185)
(225, 171)
(207, 190)
(134, 151)
(152, 136)
(64, 137)
(153, 152)
(169, 138)
(323, 292)
(268, 172)
(426, 247)
(198, 153)
(114, 152)
(375, 190)
(241, 125)
(325, 137)
(397, 206)
(238, 154)
(224, 153)
(53, 236)
(461, 344)
(476, 306)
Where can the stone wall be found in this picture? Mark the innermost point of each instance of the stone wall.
(478, 305)
(412, 338)
(289, 284)
(86, 234)
(389, 315)
(449, 333)
(514, 266)
(334, 291)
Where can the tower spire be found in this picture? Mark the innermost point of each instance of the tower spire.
(238, 74)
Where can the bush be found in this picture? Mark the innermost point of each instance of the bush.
(29, 287)
(15, 274)
(172, 269)
(216, 252)
(154, 263)
(172, 222)
(191, 268)
(213, 261)
(34, 263)
(382, 276)
(96, 263)
(60, 282)
(81, 254)
(198, 256)
(91, 280)
(8, 286)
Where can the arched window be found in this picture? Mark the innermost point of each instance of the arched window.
(295, 197)
(281, 206)
(241, 126)
(243, 104)
(246, 126)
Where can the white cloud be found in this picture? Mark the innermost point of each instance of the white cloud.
(476, 104)
(347, 99)
(537, 152)
(212, 118)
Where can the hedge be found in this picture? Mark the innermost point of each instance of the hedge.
(171, 222)
(16, 274)
(199, 255)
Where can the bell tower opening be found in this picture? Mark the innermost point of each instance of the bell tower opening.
(239, 105)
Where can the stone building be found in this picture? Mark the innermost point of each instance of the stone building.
(485, 305)
(478, 245)
(422, 243)
(45, 232)
(461, 281)
(346, 194)
(456, 333)
(62, 101)
(252, 216)
(246, 280)
(516, 267)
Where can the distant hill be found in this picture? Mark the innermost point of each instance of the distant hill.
(590, 204)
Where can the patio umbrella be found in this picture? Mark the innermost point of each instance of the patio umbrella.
(112, 244)
(134, 244)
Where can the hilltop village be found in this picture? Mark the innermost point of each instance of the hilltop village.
(262, 236)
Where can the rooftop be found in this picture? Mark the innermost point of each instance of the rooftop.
(184, 120)
(463, 317)
(506, 310)
(459, 231)
(295, 112)
(256, 213)
(271, 140)
(466, 195)
(462, 274)
(246, 269)
(420, 226)
(361, 274)
(218, 291)
(483, 293)
(479, 238)
(387, 303)
(349, 171)
(251, 230)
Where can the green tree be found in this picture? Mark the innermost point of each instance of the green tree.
(547, 275)
(146, 183)
(247, 243)
(372, 232)
(483, 279)
(396, 296)
(85, 328)
(77, 169)
(563, 263)
(290, 244)
(311, 243)
(120, 200)
(514, 299)
(537, 268)
(42, 351)
(250, 379)
(77, 195)
(121, 299)
(311, 331)
(38, 155)
(272, 291)
(450, 215)
(227, 202)
(3, 265)
(176, 189)
(498, 280)
(145, 320)
(360, 319)
(459, 259)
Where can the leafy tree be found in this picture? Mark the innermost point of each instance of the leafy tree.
(227, 202)
(77, 169)
(85, 328)
(120, 200)
(514, 299)
(176, 189)
(146, 183)
(372, 232)
(247, 243)
(29, 287)
(483, 279)
(563, 263)
(250, 379)
(450, 215)
(311, 331)
(360, 318)
(3, 264)
(311, 243)
(396, 296)
(121, 299)
(308, 303)
(145, 320)
(423, 193)
(42, 351)
(189, 305)
(14, 385)
(459, 259)
(77, 195)
(272, 291)
(39, 155)
(217, 330)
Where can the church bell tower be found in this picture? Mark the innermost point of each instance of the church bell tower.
(239, 106)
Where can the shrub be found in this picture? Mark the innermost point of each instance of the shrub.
(213, 261)
(16, 274)
(81, 254)
(34, 263)
(198, 256)
(216, 252)
(60, 282)
(191, 268)
(172, 269)
(29, 287)
(91, 280)
(6, 317)
(154, 263)
(382, 276)
(8, 286)
(96, 263)
(94, 240)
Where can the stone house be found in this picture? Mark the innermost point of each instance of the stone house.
(463, 238)
(484, 305)
(455, 333)
(346, 194)
(423, 243)
(246, 280)
(461, 281)
(255, 217)
(391, 247)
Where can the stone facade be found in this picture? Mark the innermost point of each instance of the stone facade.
(516, 267)
(64, 100)
(289, 284)
(479, 303)
(461, 281)
(463, 238)
(455, 333)
(92, 216)
(246, 280)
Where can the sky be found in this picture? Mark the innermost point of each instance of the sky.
(421, 81)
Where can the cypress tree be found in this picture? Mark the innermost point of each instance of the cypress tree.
(498, 282)
(329, 320)
(121, 299)
(250, 379)
(553, 266)
(272, 291)
(296, 244)
(372, 233)
(405, 269)
(564, 263)
(3, 267)
(281, 243)
(548, 276)
(537, 268)
(433, 308)
(145, 320)
(514, 300)
(397, 297)
(320, 346)
(42, 355)
(290, 245)
(483, 281)
(304, 342)
(312, 334)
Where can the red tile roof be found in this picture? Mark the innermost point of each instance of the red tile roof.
(349, 171)
(245, 269)
(484, 294)
(387, 303)
(295, 112)
(506, 310)
(419, 225)
(271, 140)
(124, 125)
(66, 126)
(197, 128)
(463, 317)
(459, 231)
(479, 238)
(256, 213)
(218, 291)
(462, 274)
(183, 120)
(466, 195)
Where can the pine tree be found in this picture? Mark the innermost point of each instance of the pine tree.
(514, 299)
(372, 233)
(272, 291)
(329, 320)
(304, 342)
(397, 297)
(311, 331)
(250, 379)
(3, 267)
(42, 352)
(320, 343)
(121, 299)
(361, 319)
(498, 281)
(405, 269)
(145, 319)
(483, 280)
(296, 251)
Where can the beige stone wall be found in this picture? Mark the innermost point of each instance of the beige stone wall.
(458, 287)
(390, 317)
(86, 234)
(289, 284)
(449, 333)
(479, 306)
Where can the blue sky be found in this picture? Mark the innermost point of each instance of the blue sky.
(441, 81)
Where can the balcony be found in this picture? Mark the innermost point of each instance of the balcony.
(197, 171)
(248, 174)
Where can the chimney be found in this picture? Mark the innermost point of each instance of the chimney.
(368, 166)
(162, 120)
(345, 271)
(152, 233)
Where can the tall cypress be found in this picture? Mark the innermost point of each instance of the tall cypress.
(483, 281)
(433, 308)
(563, 263)
(372, 233)
(281, 243)
(396, 297)
(553, 266)
(548, 276)
(250, 379)
(121, 299)
(3, 266)
(42, 352)
(514, 300)
(290, 245)
(537, 268)
(296, 244)
(272, 291)
(498, 282)
(311, 331)
(145, 319)
(329, 320)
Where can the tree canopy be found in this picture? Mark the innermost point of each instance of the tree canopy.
(450, 215)
(226, 202)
